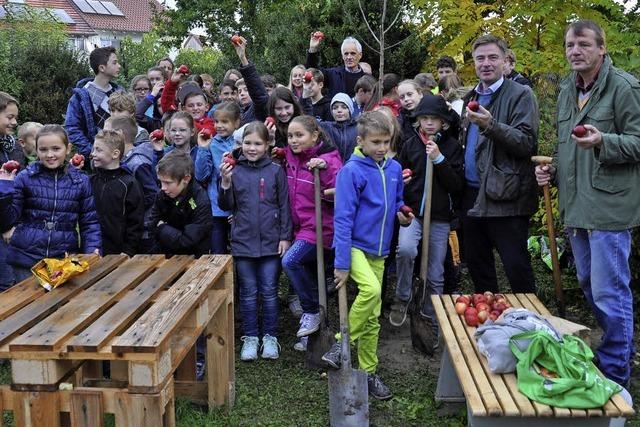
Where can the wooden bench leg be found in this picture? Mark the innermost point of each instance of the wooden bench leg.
(36, 409)
(220, 357)
(87, 409)
(448, 388)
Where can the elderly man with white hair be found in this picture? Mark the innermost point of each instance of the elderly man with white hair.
(342, 78)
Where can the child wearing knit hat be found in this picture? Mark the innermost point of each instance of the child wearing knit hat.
(343, 130)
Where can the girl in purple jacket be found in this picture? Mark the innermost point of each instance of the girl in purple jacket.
(308, 149)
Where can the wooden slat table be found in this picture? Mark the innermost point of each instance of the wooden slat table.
(142, 315)
(494, 399)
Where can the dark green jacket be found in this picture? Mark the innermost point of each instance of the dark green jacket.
(503, 153)
(599, 188)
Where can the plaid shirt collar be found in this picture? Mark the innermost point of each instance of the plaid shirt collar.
(580, 81)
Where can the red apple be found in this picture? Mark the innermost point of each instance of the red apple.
(470, 311)
(478, 298)
(406, 210)
(500, 307)
(473, 106)
(580, 131)
(157, 134)
(482, 306)
(228, 159)
(471, 319)
(278, 153)
(489, 296)
(270, 121)
(235, 39)
(406, 173)
(495, 312)
(183, 69)
(483, 315)
(11, 166)
(318, 35)
(206, 134)
(460, 308)
(464, 298)
(77, 159)
(308, 76)
(493, 317)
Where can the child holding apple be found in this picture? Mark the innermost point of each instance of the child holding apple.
(254, 189)
(368, 198)
(312, 89)
(433, 140)
(207, 169)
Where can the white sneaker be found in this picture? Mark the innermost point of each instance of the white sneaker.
(309, 323)
(270, 347)
(302, 344)
(294, 306)
(249, 348)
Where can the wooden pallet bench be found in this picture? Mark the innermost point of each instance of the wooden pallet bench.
(494, 399)
(142, 317)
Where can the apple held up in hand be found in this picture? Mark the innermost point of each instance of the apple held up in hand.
(77, 159)
(228, 159)
(308, 76)
(270, 121)
(318, 35)
(406, 173)
(183, 69)
(206, 134)
(236, 40)
(406, 210)
(580, 131)
(157, 134)
(278, 153)
(473, 106)
(11, 166)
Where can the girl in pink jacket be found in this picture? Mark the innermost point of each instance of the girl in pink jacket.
(308, 149)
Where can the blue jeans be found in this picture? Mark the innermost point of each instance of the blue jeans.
(220, 235)
(258, 276)
(408, 240)
(602, 264)
(299, 264)
(21, 273)
(6, 272)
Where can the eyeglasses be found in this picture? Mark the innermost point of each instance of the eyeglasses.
(141, 89)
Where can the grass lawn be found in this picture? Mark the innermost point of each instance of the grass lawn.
(284, 393)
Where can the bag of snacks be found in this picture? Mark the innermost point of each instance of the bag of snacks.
(52, 272)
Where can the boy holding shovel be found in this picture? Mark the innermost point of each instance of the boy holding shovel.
(368, 197)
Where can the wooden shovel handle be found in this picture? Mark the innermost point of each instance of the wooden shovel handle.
(322, 290)
(330, 192)
(542, 160)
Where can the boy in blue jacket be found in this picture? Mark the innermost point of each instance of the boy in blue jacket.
(368, 197)
(343, 130)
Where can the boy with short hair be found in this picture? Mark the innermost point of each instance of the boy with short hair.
(27, 140)
(368, 197)
(181, 216)
(190, 99)
(88, 107)
(313, 90)
(445, 65)
(148, 111)
(227, 92)
(123, 104)
(364, 92)
(342, 131)
(139, 161)
(118, 196)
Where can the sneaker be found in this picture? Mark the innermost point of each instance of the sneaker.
(270, 347)
(294, 306)
(309, 323)
(302, 344)
(333, 357)
(377, 389)
(398, 313)
(249, 348)
(200, 369)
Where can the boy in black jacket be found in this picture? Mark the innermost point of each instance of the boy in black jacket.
(432, 141)
(181, 216)
(118, 196)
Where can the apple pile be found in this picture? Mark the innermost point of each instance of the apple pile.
(477, 308)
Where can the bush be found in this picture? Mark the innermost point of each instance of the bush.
(39, 68)
(137, 58)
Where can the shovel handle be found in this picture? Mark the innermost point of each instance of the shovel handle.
(330, 192)
(542, 160)
(322, 290)
(426, 221)
(344, 326)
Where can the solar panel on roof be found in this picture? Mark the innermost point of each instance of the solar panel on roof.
(62, 16)
(98, 7)
(84, 6)
(113, 9)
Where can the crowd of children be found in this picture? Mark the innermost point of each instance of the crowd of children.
(174, 166)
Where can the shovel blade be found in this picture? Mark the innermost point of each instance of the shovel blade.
(348, 398)
(319, 343)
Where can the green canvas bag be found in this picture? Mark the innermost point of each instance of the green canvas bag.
(579, 383)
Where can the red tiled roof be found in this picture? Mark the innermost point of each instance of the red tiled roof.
(138, 15)
(80, 27)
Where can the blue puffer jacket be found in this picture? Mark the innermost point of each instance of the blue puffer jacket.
(207, 168)
(79, 121)
(48, 209)
(368, 195)
(343, 135)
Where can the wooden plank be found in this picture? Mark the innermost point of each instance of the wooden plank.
(30, 374)
(154, 328)
(471, 393)
(16, 297)
(540, 307)
(51, 333)
(114, 320)
(220, 379)
(143, 410)
(194, 391)
(482, 381)
(507, 402)
(36, 409)
(625, 410)
(31, 314)
(86, 409)
(541, 409)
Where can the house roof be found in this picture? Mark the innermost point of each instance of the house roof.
(138, 15)
(79, 25)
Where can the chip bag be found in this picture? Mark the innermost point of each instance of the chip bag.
(52, 272)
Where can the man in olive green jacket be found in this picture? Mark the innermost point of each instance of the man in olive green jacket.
(597, 168)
